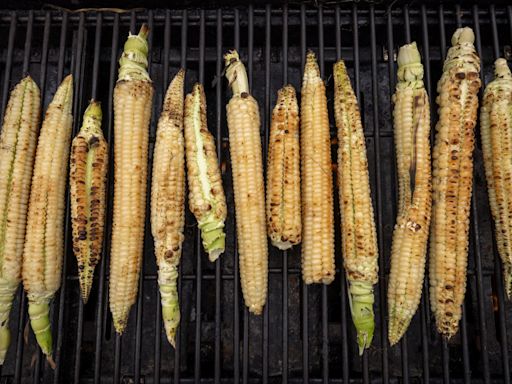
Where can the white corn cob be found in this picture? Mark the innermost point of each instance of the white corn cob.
(246, 160)
(412, 141)
(17, 150)
(452, 180)
(42, 255)
(317, 196)
(283, 172)
(168, 201)
(133, 97)
(496, 130)
(359, 237)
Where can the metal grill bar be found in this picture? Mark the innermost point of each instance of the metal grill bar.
(476, 232)
(197, 356)
(218, 265)
(403, 342)
(266, 125)
(318, 340)
(236, 284)
(425, 309)
(378, 189)
(305, 330)
(497, 263)
(343, 283)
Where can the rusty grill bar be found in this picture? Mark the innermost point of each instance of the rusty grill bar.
(305, 333)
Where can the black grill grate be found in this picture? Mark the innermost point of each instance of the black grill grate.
(305, 333)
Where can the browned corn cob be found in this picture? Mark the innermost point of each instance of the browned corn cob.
(452, 180)
(17, 150)
(133, 96)
(246, 161)
(206, 193)
(317, 197)
(496, 130)
(44, 240)
(283, 172)
(87, 178)
(412, 141)
(168, 201)
(359, 237)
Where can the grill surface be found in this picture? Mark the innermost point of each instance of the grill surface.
(305, 333)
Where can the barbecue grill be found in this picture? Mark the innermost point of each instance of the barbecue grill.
(305, 333)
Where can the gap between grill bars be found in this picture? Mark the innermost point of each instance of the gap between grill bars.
(305, 333)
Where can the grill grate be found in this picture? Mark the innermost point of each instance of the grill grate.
(305, 333)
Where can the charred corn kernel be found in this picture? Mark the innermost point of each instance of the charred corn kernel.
(317, 198)
(359, 237)
(452, 180)
(246, 160)
(496, 131)
(283, 172)
(133, 96)
(17, 150)
(168, 201)
(42, 255)
(412, 142)
(87, 178)
(206, 194)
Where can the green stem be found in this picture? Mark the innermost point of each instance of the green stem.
(236, 74)
(167, 281)
(410, 69)
(361, 307)
(7, 292)
(212, 233)
(134, 60)
(39, 313)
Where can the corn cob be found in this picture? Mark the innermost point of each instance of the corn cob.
(246, 159)
(87, 177)
(42, 255)
(168, 201)
(133, 96)
(496, 130)
(206, 194)
(17, 149)
(283, 172)
(360, 250)
(452, 180)
(412, 140)
(317, 198)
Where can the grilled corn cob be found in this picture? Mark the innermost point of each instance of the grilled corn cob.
(452, 180)
(283, 172)
(42, 255)
(317, 198)
(133, 96)
(168, 201)
(412, 141)
(496, 130)
(17, 149)
(206, 194)
(360, 250)
(246, 159)
(87, 177)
